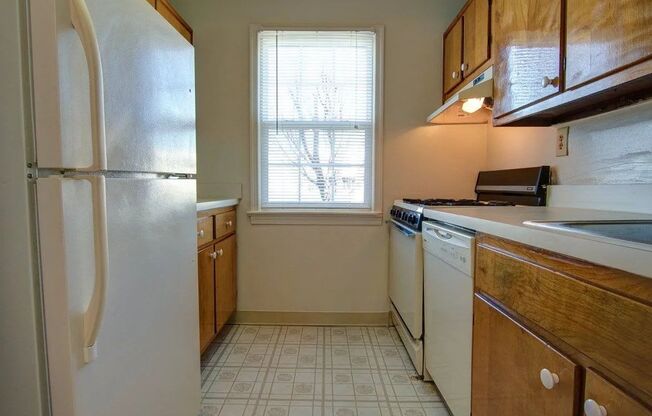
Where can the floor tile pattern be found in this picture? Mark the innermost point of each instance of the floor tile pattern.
(313, 371)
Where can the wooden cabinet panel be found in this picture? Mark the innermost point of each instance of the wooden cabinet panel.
(453, 57)
(225, 280)
(206, 287)
(224, 224)
(476, 36)
(527, 39)
(152, 2)
(614, 331)
(507, 362)
(170, 14)
(614, 400)
(204, 230)
(604, 36)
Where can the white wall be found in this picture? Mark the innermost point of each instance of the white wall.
(328, 268)
(613, 148)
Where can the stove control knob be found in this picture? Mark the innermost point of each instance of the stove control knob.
(404, 216)
(392, 212)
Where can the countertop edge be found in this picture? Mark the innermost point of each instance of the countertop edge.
(217, 203)
(624, 258)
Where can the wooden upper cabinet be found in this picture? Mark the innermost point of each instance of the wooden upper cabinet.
(476, 36)
(600, 393)
(527, 39)
(453, 56)
(507, 365)
(225, 280)
(605, 36)
(170, 14)
(206, 287)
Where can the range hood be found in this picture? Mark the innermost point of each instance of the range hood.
(451, 111)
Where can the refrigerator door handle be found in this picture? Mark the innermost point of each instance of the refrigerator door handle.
(95, 310)
(83, 24)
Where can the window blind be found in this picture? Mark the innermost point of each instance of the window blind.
(316, 118)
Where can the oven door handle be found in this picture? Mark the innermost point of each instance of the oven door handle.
(402, 228)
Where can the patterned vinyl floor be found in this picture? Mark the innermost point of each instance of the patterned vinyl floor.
(313, 371)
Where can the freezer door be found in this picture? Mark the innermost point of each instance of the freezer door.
(148, 344)
(147, 79)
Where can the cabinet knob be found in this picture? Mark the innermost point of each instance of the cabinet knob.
(200, 233)
(548, 379)
(219, 252)
(464, 67)
(454, 75)
(592, 408)
(213, 255)
(547, 81)
(229, 224)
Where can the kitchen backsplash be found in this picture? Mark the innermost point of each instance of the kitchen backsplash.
(613, 148)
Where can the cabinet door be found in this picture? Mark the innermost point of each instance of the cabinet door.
(453, 57)
(527, 39)
(225, 280)
(599, 393)
(604, 36)
(507, 365)
(206, 267)
(476, 36)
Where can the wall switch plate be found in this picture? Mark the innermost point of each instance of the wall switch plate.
(561, 144)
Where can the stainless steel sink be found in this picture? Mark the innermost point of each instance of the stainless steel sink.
(635, 231)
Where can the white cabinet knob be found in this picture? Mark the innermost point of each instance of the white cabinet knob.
(592, 408)
(200, 233)
(220, 252)
(213, 255)
(454, 75)
(464, 67)
(548, 379)
(229, 224)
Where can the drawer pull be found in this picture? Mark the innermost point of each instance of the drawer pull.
(213, 255)
(200, 233)
(229, 224)
(548, 379)
(592, 408)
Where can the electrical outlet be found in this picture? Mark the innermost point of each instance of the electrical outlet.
(562, 141)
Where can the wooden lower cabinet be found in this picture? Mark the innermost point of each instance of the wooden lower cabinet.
(206, 268)
(601, 395)
(597, 326)
(507, 365)
(225, 287)
(217, 279)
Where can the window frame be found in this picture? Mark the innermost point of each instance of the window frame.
(319, 215)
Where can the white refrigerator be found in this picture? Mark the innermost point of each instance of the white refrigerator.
(114, 128)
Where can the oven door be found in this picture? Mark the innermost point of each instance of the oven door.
(406, 276)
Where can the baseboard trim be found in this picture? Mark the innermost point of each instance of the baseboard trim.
(311, 318)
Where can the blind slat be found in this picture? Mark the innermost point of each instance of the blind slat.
(316, 115)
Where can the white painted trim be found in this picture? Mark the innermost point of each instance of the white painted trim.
(259, 216)
(315, 217)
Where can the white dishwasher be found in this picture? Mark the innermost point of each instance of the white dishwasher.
(448, 312)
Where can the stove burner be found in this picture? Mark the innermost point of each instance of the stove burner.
(456, 202)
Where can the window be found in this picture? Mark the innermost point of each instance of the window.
(316, 117)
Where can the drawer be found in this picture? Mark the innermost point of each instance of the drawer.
(204, 230)
(224, 224)
(600, 394)
(611, 329)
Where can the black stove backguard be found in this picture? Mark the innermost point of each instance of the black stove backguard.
(527, 186)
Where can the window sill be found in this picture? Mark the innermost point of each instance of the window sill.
(315, 217)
